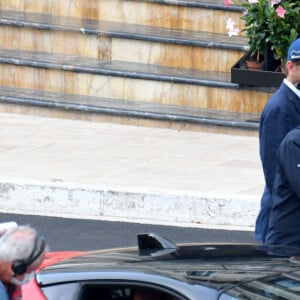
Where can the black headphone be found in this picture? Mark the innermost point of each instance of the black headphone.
(20, 266)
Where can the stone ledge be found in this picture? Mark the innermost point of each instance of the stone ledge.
(162, 207)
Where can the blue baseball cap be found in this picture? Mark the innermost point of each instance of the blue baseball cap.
(294, 50)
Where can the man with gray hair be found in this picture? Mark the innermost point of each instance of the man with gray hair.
(22, 250)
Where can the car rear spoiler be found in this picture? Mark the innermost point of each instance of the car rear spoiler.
(151, 244)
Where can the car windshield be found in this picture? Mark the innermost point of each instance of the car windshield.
(273, 279)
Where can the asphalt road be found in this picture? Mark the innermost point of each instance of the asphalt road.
(77, 234)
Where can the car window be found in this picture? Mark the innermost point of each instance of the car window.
(66, 291)
(93, 292)
(123, 292)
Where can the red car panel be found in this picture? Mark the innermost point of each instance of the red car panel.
(31, 290)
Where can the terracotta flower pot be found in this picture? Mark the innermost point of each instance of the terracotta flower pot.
(254, 64)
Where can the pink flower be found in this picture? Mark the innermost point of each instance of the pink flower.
(227, 2)
(230, 26)
(280, 11)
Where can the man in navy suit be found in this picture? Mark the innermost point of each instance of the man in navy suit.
(280, 115)
(284, 224)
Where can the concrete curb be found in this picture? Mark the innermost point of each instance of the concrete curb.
(136, 205)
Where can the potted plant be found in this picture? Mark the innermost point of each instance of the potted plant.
(256, 29)
(255, 26)
(270, 26)
(275, 22)
(283, 28)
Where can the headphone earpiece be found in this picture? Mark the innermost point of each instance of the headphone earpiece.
(20, 266)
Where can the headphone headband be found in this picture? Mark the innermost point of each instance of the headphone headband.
(33, 257)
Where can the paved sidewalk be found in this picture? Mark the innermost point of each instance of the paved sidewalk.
(107, 171)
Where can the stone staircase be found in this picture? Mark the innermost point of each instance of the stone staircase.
(146, 62)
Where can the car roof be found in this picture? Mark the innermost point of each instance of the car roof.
(219, 266)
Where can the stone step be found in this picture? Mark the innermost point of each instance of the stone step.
(117, 41)
(98, 107)
(128, 81)
(199, 15)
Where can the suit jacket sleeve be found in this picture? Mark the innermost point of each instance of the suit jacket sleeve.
(274, 127)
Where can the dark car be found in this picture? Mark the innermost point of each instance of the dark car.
(159, 270)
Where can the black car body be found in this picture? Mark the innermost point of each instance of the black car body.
(193, 271)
